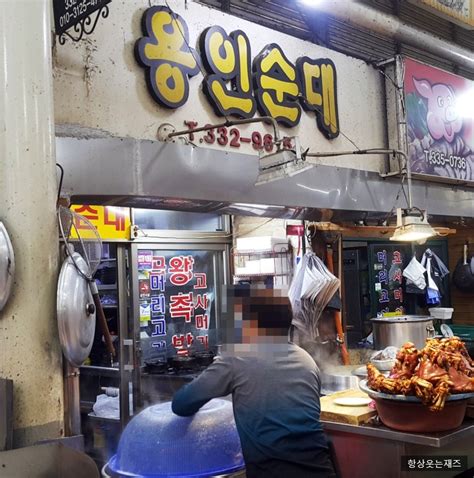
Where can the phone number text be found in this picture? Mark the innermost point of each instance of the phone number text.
(232, 137)
(438, 158)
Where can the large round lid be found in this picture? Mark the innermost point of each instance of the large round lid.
(76, 311)
(7, 266)
(403, 318)
(157, 443)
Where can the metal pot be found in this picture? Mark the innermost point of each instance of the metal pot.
(395, 331)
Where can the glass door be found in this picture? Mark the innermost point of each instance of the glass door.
(176, 306)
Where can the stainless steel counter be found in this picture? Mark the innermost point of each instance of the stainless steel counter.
(370, 451)
(438, 440)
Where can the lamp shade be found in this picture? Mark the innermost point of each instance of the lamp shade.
(412, 227)
(157, 443)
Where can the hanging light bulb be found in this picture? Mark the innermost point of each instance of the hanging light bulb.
(412, 226)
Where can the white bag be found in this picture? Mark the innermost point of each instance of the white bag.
(107, 407)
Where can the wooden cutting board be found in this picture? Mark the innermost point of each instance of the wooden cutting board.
(342, 414)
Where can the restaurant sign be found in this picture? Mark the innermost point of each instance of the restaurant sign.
(234, 84)
(112, 223)
(439, 115)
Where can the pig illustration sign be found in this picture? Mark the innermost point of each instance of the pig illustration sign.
(439, 109)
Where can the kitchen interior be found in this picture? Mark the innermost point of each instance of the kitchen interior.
(367, 314)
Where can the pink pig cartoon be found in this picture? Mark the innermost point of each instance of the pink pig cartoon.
(442, 117)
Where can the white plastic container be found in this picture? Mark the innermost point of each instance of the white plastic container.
(441, 313)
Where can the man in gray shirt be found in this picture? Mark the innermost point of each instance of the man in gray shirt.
(275, 389)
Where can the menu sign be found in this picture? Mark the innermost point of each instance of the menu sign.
(177, 302)
(387, 279)
(68, 13)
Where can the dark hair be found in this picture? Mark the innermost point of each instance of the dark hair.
(270, 308)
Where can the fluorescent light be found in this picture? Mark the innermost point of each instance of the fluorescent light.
(412, 227)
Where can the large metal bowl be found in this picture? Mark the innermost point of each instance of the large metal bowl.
(407, 413)
(408, 398)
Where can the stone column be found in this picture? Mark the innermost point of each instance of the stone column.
(30, 354)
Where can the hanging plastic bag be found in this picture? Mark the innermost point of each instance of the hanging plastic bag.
(414, 272)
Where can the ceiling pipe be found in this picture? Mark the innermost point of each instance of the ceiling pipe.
(391, 26)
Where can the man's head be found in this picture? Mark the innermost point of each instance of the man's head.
(258, 314)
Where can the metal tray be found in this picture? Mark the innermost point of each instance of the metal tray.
(407, 398)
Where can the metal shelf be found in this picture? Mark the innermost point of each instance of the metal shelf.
(258, 253)
(103, 371)
(261, 275)
(107, 286)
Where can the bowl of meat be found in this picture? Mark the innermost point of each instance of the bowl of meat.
(427, 390)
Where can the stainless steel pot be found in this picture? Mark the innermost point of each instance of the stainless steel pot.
(395, 331)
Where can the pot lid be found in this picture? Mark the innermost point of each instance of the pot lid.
(7, 266)
(403, 318)
(156, 443)
(76, 311)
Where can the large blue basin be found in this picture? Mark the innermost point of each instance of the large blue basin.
(157, 443)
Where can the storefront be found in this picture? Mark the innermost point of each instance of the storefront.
(176, 208)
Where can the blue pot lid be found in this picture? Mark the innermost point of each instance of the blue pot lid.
(157, 443)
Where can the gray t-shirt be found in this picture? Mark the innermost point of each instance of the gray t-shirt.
(275, 392)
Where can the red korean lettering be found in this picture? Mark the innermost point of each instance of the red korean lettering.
(189, 339)
(177, 341)
(89, 213)
(204, 339)
(397, 258)
(202, 322)
(202, 301)
(397, 276)
(181, 270)
(114, 217)
(398, 294)
(182, 305)
(201, 280)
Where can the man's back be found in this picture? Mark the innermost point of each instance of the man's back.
(275, 392)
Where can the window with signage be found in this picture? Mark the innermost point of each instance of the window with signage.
(177, 300)
(178, 220)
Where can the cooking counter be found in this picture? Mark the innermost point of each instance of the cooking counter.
(373, 451)
(437, 440)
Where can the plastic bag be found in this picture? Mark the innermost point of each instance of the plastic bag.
(107, 407)
(415, 274)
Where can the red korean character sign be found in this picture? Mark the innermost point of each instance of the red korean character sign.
(180, 308)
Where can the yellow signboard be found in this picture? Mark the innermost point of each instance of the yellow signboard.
(113, 223)
(458, 11)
